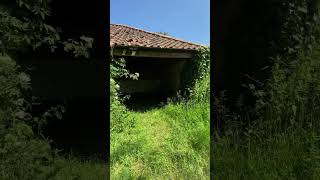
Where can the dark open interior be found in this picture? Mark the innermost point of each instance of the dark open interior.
(159, 79)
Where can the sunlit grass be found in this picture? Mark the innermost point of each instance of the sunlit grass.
(169, 142)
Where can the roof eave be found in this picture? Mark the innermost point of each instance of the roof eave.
(126, 51)
(154, 48)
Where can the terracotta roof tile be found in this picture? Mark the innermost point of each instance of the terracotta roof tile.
(122, 35)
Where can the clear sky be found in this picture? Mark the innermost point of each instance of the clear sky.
(184, 19)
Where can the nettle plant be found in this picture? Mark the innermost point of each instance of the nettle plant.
(285, 97)
(196, 69)
(24, 153)
(118, 112)
(118, 70)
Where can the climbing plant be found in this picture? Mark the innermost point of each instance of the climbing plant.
(118, 111)
(196, 69)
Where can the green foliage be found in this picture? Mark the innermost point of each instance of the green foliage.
(117, 68)
(79, 48)
(282, 140)
(292, 99)
(171, 142)
(118, 112)
(299, 21)
(282, 156)
(23, 26)
(22, 153)
(81, 169)
(197, 68)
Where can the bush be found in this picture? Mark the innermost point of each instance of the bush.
(281, 139)
(22, 153)
(119, 120)
(293, 97)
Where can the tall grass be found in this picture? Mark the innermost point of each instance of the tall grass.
(81, 169)
(171, 142)
(283, 141)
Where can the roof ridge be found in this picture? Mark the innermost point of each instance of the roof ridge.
(161, 35)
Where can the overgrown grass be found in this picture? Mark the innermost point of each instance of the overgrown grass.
(171, 142)
(290, 155)
(74, 168)
(283, 141)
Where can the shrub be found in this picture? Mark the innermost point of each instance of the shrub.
(119, 120)
(22, 153)
(292, 99)
(281, 140)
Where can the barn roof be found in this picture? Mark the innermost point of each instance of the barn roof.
(126, 36)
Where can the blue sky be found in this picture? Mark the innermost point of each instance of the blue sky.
(184, 19)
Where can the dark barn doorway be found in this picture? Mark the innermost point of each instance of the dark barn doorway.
(159, 79)
(159, 59)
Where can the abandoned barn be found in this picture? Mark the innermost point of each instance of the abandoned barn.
(159, 59)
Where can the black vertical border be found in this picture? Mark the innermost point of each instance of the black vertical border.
(105, 31)
(213, 23)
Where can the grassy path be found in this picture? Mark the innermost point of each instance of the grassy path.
(170, 142)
